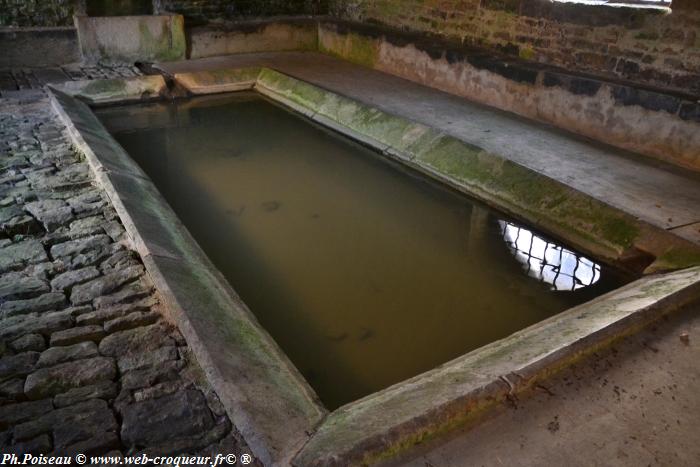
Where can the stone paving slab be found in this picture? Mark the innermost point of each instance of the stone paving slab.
(88, 364)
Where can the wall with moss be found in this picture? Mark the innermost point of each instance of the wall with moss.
(653, 47)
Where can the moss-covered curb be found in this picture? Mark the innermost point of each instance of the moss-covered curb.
(105, 91)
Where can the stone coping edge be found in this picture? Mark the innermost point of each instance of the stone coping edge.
(265, 396)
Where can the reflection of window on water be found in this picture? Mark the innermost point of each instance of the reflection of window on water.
(549, 262)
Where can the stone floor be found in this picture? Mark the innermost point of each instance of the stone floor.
(88, 362)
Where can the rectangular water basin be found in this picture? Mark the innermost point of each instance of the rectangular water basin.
(364, 272)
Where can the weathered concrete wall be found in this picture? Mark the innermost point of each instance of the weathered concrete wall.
(203, 11)
(131, 38)
(38, 47)
(247, 37)
(647, 46)
(660, 124)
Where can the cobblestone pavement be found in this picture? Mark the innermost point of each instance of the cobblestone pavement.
(87, 362)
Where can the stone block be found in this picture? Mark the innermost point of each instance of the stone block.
(30, 342)
(173, 416)
(132, 320)
(56, 355)
(49, 301)
(86, 226)
(120, 260)
(135, 341)
(147, 377)
(39, 445)
(70, 424)
(88, 291)
(38, 47)
(45, 324)
(70, 278)
(105, 390)
(79, 246)
(13, 414)
(137, 290)
(17, 286)
(153, 358)
(77, 334)
(47, 382)
(12, 389)
(17, 365)
(52, 213)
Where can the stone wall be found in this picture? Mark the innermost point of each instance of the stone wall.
(33, 13)
(33, 48)
(29, 13)
(49, 13)
(648, 46)
(201, 11)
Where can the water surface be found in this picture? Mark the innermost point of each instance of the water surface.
(363, 272)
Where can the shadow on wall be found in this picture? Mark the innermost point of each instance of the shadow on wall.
(119, 7)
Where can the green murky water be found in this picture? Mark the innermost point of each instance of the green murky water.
(365, 273)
